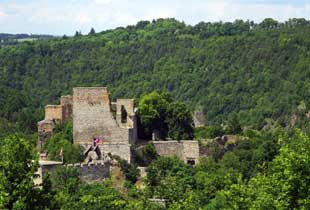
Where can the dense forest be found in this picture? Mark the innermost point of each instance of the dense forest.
(248, 79)
(258, 71)
(266, 171)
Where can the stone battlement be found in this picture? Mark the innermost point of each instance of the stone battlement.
(88, 173)
(97, 163)
(92, 172)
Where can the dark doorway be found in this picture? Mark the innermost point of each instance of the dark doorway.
(191, 162)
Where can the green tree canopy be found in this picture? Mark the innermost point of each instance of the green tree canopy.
(17, 167)
(62, 138)
(285, 185)
(157, 111)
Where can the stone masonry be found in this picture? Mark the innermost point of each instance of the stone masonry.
(53, 114)
(93, 118)
(90, 108)
(91, 111)
(88, 173)
(93, 172)
(186, 150)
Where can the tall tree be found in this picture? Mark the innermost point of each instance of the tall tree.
(92, 31)
(18, 164)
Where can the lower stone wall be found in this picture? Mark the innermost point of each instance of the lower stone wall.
(93, 172)
(169, 148)
(45, 167)
(88, 173)
(186, 150)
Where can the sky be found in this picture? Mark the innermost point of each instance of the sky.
(59, 17)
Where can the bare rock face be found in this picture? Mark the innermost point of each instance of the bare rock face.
(199, 118)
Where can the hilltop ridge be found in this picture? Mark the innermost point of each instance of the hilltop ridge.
(258, 71)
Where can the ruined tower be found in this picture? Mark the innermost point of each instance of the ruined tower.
(93, 118)
(54, 114)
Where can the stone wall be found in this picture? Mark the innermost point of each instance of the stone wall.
(130, 121)
(93, 172)
(61, 112)
(120, 149)
(128, 105)
(186, 150)
(92, 117)
(190, 151)
(53, 112)
(45, 166)
(169, 148)
(66, 103)
(45, 131)
(88, 173)
(90, 108)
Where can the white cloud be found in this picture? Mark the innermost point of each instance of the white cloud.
(119, 18)
(59, 17)
(258, 12)
(2, 14)
(83, 19)
(103, 1)
(231, 10)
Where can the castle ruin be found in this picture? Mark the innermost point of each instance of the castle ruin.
(95, 117)
(91, 111)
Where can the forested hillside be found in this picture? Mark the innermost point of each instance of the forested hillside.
(259, 71)
(241, 75)
(13, 39)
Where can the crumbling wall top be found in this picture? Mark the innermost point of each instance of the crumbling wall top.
(53, 112)
(66, 100)
(91, 96)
